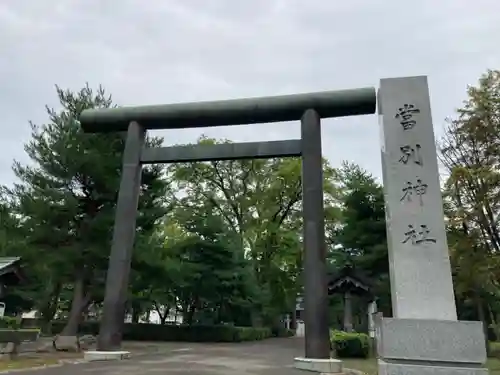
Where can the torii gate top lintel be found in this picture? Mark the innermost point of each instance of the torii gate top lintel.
(327, 104)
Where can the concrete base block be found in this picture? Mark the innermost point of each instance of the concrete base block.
(67, 343)
(385, 368)
(430, 347)
(94, 355)
(431, 340)
(323, 366)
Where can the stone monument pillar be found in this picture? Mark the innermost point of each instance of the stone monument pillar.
(372, 310)
(424, 337)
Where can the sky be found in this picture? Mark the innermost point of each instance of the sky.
(169, 51)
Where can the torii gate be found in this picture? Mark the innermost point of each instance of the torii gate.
(424, 337)
(308, 108)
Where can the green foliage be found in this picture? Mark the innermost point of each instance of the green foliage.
(494, 350)
(258, 202)
(221, 241)
(194, 333)
(64, 203)
(17, 336)
(469, 153)
(9, 322)
(213, 280)
(360, 239)
(350, 344)
(362, 235)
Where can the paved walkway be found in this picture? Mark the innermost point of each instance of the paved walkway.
(273, 356)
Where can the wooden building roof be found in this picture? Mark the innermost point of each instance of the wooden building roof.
(349, 279)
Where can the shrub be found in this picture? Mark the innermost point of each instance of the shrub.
(10, 322)
(494, 349)
(195, 333)
(350, 344)
(251, 333)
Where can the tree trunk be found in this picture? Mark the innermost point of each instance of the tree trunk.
(135, 316)
(493, 320)
(163, 318)
(482, 317)
(136, 312)
(293, 322)
(79, 303)
(49, 309)
(190, 314)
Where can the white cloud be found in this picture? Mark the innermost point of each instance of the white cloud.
(161, 51)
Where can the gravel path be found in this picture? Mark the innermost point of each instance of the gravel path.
(273, 356)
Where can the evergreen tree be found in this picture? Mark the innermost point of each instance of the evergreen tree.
(66, 198)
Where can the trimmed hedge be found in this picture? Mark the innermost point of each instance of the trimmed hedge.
(195, 333)
(350, 344)
(10, 322)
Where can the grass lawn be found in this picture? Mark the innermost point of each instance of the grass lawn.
(19, 363)
(369, 366)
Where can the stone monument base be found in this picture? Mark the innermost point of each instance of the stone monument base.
(66, 343)
(323, 366)
(385, 368)
(430, 347)
(95, 355)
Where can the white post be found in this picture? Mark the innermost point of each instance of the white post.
(287, 321)
(372, 310)
(424, 336)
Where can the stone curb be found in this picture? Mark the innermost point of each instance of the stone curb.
(36, 368)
